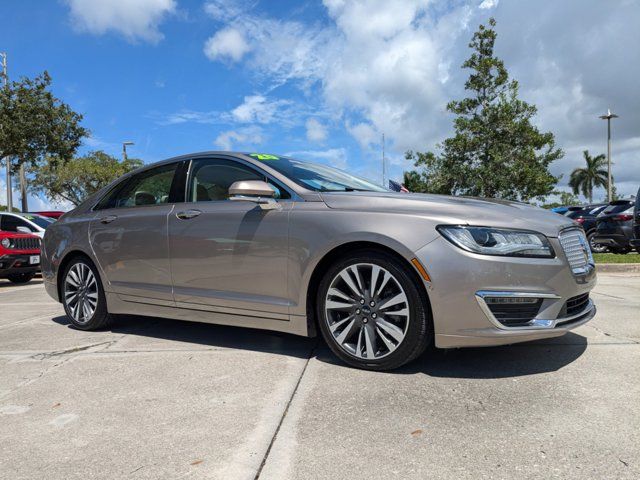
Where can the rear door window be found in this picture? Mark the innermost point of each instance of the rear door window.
(149, 187)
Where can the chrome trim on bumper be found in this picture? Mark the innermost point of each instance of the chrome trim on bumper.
(536, 323)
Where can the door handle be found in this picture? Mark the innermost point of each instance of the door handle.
(108, 219)
(188, 214)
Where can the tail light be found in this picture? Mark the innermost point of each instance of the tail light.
(622, 218)
(579, 220)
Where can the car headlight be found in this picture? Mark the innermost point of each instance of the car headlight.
(498, 241)
(6, 243)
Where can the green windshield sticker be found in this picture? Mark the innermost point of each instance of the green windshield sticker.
(263, 156)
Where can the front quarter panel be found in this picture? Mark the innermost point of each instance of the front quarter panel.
(69, 234)
(316, 230)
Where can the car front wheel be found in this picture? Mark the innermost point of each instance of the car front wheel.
(83, 296)
(372, 311)
(596, 247)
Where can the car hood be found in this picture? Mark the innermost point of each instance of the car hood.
(444, 209)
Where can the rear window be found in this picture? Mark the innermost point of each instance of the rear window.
(616, 207)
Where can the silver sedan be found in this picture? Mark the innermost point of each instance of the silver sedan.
(265, 241)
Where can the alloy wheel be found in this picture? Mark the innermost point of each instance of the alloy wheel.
(81, 292)
(367, 311)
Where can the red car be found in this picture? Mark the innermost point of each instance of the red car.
(51, 214)
(19, 256)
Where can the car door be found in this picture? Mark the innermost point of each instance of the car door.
(229, 256)
(129, 235)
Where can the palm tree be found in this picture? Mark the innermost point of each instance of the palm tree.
(584, 180)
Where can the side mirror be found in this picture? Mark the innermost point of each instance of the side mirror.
(23, 230)
(254, 191)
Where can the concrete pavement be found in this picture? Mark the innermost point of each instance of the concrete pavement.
(155, 398)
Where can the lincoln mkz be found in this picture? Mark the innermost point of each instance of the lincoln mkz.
(265, 241)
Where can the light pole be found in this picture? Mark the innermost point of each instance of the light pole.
(124, 150)
(3, 57)
(608, 118)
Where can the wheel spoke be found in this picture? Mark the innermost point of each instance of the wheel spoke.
(370, 342)
(339, 323)
(391, 329)
(398, 299)
(386, 340)
(356, 274)
(72, 279)
(347, 279)
(334, 292)
(359, 344)
(345, 333)
(375, 272)
(402, 313)
(385, 279)
(333, 305)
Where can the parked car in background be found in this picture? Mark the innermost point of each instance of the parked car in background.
(265, 241)
(24, 223)
(19, 256)
(55, 214)
(585, 216)
(614, 226)
(635, 241)
(560, 210)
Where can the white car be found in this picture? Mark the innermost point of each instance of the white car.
(24, 223)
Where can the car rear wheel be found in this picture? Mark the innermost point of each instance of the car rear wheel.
(372, 313)
(21, 277)
(595, 247)
(83, 296)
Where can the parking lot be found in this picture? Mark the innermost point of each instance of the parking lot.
(155, 398)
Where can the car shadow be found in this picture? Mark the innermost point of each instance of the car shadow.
(516, 360)
(209, 335)
(529, 358)
(4, 283)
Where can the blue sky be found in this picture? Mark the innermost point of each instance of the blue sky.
(323, 80)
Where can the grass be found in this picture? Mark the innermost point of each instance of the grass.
(614, 258)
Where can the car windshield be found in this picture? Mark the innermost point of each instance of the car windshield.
(42, 222)
(616, 207)
(316, 177)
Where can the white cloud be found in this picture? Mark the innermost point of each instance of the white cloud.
(134, 19)
(244, 138)
(316, 131)
(336, 157)
(226, 43)
(257, 109)
(487, 4)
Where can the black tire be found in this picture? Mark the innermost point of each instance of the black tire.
(638, 250)
(419, 325)
(621, 251)
(20, 278)
(100, 317)
(595, 247)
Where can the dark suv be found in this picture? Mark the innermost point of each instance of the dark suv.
(585, 216)
(635, 241)
(614, 226)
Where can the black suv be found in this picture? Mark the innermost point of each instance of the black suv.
(614, 226)
(585, 215)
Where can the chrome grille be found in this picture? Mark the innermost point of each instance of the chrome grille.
(576, 249)
(31, 243)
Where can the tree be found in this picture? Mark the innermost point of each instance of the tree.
(80, 177)
(583, 180)
(34, 124)
(496, 150)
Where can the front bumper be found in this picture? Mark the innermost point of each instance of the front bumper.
(459, 278)
(12, 264)
(614, 240)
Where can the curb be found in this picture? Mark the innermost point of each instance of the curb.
(618, 267)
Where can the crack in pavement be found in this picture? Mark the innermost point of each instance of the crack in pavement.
(286, 410)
